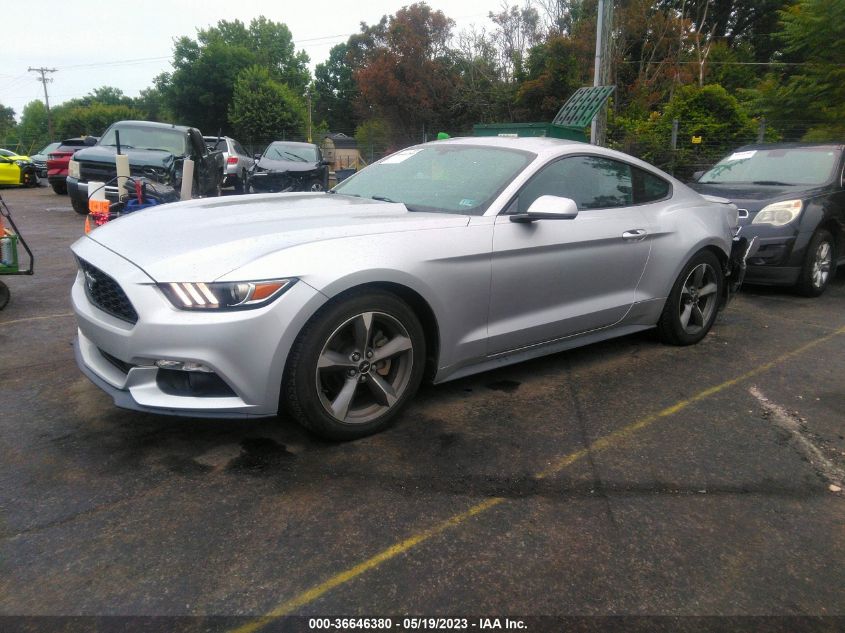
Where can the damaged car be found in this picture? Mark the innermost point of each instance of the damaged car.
(288, 166)
(439, 261)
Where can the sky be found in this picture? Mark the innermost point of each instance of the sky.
(94, 43)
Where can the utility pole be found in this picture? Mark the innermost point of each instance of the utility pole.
(600, 73)
(43, 71)
(308, 94)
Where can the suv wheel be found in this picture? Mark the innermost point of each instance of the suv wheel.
(819, 264)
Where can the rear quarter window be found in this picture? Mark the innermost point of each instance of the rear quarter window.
(648, 187)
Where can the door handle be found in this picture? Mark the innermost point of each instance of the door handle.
(634, 234)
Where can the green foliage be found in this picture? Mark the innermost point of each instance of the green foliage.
(552, 78)
(200, 91)
(265, 110)
(374, 138)
(33, 131)
(812, 94)
(334, 91)
(708, 112)
(92, 120)
(7, 120)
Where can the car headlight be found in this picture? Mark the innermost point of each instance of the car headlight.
(22, 163)
(236, 295)
(73, 168)
(779, 213)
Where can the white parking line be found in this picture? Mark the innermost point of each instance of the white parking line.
(791, 423)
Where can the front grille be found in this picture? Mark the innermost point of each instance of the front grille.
(105, 293)
(101, 172)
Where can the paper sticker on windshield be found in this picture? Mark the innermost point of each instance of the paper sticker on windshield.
(398, 157)
(466, 202)
(742, 155)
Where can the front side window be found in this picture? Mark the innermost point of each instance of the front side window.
(592, 182)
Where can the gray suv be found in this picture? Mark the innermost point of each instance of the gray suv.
(236, 161)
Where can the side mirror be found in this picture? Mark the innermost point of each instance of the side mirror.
(257, 156)
(325, 163)
(696, 175)
(548, 208)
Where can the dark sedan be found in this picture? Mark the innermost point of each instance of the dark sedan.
(288, 166)
(791, 196)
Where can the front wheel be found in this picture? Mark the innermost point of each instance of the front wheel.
(355, 366)
(79, 205)
(819, 265)
(60, 188)
(29, 178)
(693, 304)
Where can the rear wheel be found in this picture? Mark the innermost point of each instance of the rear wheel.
(819, 265)
(60, 188)
(693, 304)
(239, 182)
(355, 366)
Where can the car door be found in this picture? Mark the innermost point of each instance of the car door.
(10, 173)
(553, 278)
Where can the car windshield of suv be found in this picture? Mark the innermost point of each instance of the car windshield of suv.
(775, 166)
(288, 151)
(133, 137)
(46, 150)
(446, 178)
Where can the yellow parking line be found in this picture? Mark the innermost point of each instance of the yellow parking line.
(603, 443)
(38, 318)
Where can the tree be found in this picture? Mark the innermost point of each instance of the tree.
(200, 89)
(263, 109)
(335, 91)
(92, 120)
(32, 131)
(404, 72)
(552, 78)
(813, 32)
(517, 31)
(7, 120)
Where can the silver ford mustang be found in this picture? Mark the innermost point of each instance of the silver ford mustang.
(444, 260)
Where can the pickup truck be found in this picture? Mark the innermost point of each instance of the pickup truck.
(156, 152)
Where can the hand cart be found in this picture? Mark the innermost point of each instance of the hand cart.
(10, 239)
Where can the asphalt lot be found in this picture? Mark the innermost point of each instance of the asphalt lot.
(625, 478)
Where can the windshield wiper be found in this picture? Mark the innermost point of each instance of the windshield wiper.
(122, 145)
(382, 199)
(771, 182)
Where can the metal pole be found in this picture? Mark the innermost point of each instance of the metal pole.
(597, 69)
(761, 132)
(675, 124)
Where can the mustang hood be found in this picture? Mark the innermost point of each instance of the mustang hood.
(201, 240)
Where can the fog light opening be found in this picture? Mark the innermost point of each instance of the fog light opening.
(179, 365)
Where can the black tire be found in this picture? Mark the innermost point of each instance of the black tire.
(5, 295)
(239, 182)
(29, 178)
(310, 392)
(689, 313)
(819, 265)
(316, 185)
(60, 188)
(78, 206)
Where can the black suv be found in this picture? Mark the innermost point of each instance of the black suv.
(791, 196)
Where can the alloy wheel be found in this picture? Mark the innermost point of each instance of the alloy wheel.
(698, 298)
(364, 367)
(821, 264)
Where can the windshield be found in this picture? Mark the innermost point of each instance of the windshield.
(5, 152)
(445, 178)
(776, 166)
(132, 137)
(49, 148)
(291, 151)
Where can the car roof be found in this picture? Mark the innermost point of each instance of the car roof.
(547, 148)
(295, 143)
(154, 125)
(795, 145)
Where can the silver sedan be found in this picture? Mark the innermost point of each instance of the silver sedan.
(439, 261)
